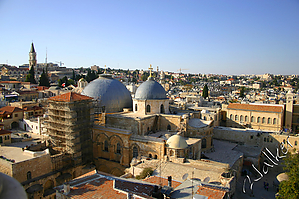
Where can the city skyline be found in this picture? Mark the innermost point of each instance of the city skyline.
(216, 37)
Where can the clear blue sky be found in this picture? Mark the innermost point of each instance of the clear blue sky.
(203, 36)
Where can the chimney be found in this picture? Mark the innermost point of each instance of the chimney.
(169, 181)
(66, 188)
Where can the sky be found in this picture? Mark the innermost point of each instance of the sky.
(200, 36)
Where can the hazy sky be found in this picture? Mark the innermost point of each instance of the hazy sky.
(203, 36)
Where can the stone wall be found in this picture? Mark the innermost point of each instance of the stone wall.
(37, 166)
(172, 120)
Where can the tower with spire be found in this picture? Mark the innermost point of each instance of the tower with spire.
(32, 57)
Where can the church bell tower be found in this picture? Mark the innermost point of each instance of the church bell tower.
(32, 56)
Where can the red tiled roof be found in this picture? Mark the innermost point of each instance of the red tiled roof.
(157, 180)
(9, 110)
(2, 132)
(10, 82)
(256, 107)
(101, 186)
(70, 97)
(211, 193)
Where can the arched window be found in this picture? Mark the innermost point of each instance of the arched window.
(204, 118)
(135, 152)
(118, 148)
(252, 119)
(106, 145)
(28, 175)
(269, 120)
(241, 118)
(150, 155)
(148, 108)
(136, 107)
(168, 127)
(162, 109)
(236, 118)
(274, 121)
(231, 117)
(155, 157)
(264, 120)
(171, 153)
(258, 120)
(295, 143)
(246, 118)
(204, 143)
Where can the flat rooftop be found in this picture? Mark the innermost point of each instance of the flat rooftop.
(224, 152)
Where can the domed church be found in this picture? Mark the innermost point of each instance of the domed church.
(144, 131)
(112, 95)
(150, 98)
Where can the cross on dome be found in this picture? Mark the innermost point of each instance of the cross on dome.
(150, 68)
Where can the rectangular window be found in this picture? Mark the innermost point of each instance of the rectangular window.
(16, 115)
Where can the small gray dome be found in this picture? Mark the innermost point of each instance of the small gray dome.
(150, 89)
(110, 92)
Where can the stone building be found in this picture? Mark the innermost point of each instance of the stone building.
(69, 125)
(11, 116)
(255, 116)
(121, 136)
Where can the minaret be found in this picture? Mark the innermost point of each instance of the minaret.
(32, 57)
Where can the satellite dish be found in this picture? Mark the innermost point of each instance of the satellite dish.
(185, 176)
(207, 179)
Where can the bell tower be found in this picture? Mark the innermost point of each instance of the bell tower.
(32, 56)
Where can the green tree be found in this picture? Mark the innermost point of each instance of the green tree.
(91, 75)
(242, 90)
(144, 76)
(148, 171)
(44, 80)
(205, 91)
(30, 77)
(289, 189)
(63, 80)
(74, 75)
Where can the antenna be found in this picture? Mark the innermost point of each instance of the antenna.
(207, 179)
(185, 176)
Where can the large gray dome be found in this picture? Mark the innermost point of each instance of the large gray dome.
(110, 93)
(150, 89)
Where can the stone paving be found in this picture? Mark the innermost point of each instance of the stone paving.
(258, 187)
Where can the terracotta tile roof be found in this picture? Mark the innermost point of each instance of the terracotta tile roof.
(70, 97)
(211, 193)
(256, 107)
(10, 82)
(9, 110)
(2, 132)
(157, 180)
(95, 185)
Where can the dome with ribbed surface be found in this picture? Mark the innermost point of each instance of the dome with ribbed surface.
(110, 93)
(150, 89)
(176, 142)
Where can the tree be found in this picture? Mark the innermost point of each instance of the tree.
(205, 91)
(74, 75)
(148, 171)
(242, 95)
(91, 75)
(289, 189)
(44, 80)
(30, 77)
